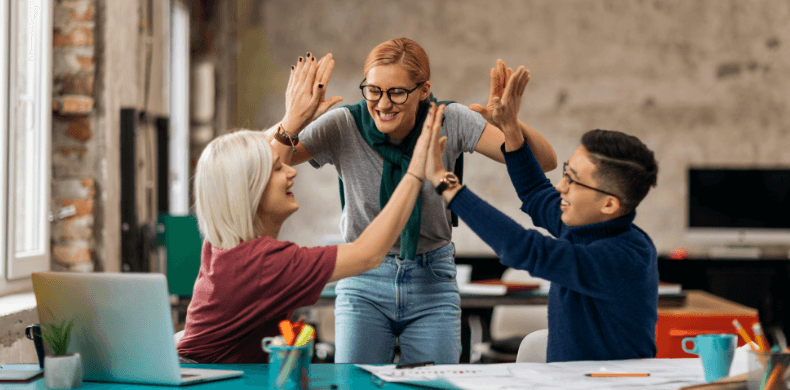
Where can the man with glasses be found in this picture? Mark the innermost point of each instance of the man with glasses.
(602, 267)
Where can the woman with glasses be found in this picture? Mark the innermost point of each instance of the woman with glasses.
(412, 297)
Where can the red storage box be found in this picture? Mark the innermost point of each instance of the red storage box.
(702, 313)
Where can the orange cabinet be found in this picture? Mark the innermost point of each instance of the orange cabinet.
(702, 313)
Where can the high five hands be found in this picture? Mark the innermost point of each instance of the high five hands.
(305, 96)
(421, 158)
(504, 97)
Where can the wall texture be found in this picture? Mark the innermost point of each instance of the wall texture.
(703, 83)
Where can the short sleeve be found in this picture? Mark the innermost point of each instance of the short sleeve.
(322, 137)
(464, 127)
(293, 276)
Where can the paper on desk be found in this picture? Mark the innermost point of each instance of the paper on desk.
(664, 374)
(450, 376)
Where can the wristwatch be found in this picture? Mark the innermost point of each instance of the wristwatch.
(450, 180)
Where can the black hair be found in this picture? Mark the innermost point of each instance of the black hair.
(624, 163)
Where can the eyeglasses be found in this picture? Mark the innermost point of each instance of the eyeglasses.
(570, 181)
(373, 93)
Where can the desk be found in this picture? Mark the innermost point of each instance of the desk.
(702, 313)
(665, 374)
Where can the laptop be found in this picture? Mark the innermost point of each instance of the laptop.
(123, 327)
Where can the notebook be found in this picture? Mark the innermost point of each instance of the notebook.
(123, 327)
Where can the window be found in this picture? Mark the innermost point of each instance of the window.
(25, 121)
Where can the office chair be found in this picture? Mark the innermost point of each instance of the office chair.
(533, 347)
(509, 324)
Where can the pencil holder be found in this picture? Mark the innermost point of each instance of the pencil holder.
(768, 370)
(289, 366)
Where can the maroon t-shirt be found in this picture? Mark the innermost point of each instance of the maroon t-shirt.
(241, 294)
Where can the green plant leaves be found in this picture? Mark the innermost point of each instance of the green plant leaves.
(57, 336)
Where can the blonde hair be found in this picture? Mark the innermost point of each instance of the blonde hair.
(231, 176)
(404, 52)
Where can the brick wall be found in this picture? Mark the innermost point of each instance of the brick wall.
(74, 147)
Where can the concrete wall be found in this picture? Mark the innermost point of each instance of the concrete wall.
(702, 83)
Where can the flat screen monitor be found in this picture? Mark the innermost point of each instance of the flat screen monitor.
(739, 206)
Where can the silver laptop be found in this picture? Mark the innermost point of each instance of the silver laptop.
(123, 327)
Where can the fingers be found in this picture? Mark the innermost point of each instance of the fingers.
(514, 84)
(308, 72)
(325, 106)
(524, 82)
(440, 148)
(477, 108)
(501, 73)
(436, 127)
(326, 66)
(493, 88)
(329, 66)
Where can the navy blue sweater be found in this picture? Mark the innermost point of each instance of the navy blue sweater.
(604, 276)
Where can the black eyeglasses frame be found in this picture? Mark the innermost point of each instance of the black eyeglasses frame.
(362, 86)
(570, 181)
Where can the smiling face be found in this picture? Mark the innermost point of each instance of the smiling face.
(395, 120)
(580, 205)
(278, 201)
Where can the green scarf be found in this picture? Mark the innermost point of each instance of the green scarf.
(396, 163)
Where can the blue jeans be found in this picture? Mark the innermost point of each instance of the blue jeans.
(415, 301)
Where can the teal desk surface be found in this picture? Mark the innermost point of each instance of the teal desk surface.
(665, 374)
(322, 377)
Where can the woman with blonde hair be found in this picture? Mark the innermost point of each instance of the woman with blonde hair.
(249, 280)
(413, 296)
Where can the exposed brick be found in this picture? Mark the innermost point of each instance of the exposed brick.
(83, 206)
(74, 104)
(79, 129)
(83, 15)
(80, 188)
(67, 12)
(72, 60)
(86, 62)
(79, 151)
(79, 228)
(73, 84)
(77, 252)
(82, 267)
(77, 36)
(90, 185)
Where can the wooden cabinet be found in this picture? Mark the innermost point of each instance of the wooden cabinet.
(702, 313)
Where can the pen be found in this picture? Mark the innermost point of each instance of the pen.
(743, 334)
(760, 338)
(617, 374)
(413, 365)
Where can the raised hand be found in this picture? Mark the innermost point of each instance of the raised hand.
(421, 153)
(499, 76)
(305, 94)
(504, 110)
(325, 67)
(434, 167)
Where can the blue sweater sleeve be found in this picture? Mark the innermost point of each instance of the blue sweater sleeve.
(538, 197)
(596, 269)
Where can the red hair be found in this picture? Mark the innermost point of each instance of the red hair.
(403, 52)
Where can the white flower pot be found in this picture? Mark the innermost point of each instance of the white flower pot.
(63, 372)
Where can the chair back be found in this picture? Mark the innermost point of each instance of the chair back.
(533, 347)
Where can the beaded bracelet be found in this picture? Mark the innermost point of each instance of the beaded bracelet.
(286, 139)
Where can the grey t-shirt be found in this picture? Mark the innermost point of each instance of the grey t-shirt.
(334, 139)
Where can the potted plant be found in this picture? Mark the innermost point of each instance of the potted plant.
(61, 371)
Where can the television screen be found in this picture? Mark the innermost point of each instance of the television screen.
(739, 198)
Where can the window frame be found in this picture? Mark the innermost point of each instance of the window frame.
(15, 268)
